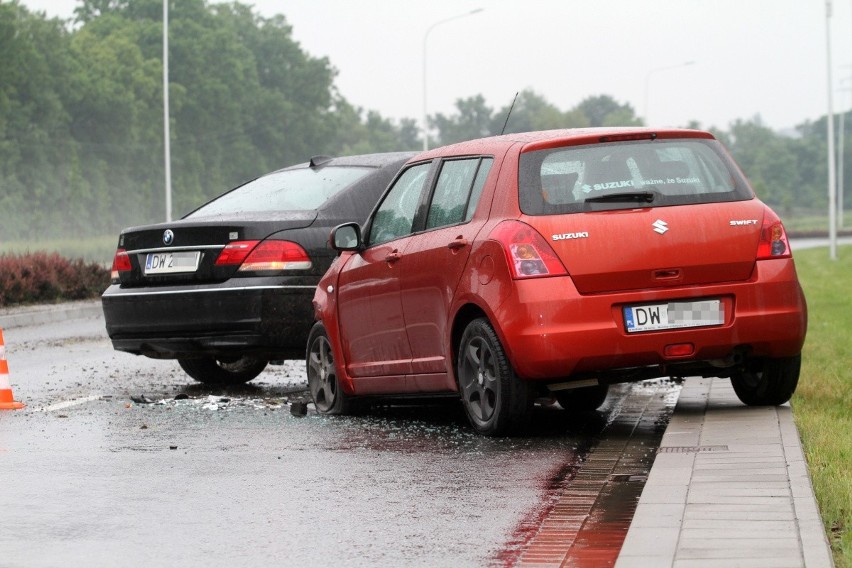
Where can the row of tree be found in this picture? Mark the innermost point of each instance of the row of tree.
(81, 145)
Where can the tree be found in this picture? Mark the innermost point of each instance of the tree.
(603, 110)
(474, 119)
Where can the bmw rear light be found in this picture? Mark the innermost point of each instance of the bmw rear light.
(235, 252)
(120, 263)
(773, 238)
(256, 256)
(528, 253)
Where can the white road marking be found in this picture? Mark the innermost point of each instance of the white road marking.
(69, 403)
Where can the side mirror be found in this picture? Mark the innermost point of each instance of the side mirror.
(346, 237)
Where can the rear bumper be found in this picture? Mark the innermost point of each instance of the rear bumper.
(270, 321)
(551, 331)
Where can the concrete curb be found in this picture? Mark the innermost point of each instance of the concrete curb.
(23, 316)
(730, 487)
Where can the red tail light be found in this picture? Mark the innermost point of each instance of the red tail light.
(528, 253)
(773, 238)
(120, 263)
(256, 256)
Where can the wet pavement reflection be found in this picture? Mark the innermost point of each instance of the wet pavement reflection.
(591, 503)
(145, 468)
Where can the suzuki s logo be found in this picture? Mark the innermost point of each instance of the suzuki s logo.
(168, 237)
(660, 226)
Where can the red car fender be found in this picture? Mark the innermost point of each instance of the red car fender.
(325, 310)
(485, 285)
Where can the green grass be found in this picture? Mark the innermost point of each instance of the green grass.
(822, 405)
(91, 249)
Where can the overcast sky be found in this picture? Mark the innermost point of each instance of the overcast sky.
(713, 61)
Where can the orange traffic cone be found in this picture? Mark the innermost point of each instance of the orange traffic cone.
(7, 401)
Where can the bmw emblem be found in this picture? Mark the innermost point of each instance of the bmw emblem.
(168, 237)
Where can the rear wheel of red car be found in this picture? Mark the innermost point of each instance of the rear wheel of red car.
(770, 385)
(583, 399)
(221, 371)
(497, 402)
(326, 392)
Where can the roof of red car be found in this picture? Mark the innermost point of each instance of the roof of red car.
(565, 137)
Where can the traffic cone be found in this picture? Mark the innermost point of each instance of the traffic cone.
(7, 400)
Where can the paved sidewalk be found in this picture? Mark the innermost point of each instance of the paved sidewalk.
(729, 487)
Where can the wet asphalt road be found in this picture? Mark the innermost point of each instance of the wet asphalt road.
(88, 477)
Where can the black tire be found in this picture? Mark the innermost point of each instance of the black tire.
(496, 401)
(326, 392)
(220, 371)
(584, 399)
(771, 384)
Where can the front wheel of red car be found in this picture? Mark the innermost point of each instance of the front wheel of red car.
(769, 385)
(223, 371)
(497, 402)
(326, 392)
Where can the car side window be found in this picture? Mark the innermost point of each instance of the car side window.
(457, 191)
(395, 216)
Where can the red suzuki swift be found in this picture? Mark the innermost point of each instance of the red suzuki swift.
(555, 264)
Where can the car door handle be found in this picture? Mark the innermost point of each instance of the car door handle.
(457, 244)
(393, 257)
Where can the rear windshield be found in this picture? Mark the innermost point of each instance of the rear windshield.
(301, 189)
(620, 175)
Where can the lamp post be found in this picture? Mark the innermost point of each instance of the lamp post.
(425, 38)
(166, 134)
(832, 171)
(648, 84)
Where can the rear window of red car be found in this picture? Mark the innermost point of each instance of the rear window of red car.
(664, 172)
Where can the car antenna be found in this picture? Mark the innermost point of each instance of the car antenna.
(508, 114)
(317, 161)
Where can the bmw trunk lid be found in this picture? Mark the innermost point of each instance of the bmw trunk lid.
(194, 246)
(632, 249)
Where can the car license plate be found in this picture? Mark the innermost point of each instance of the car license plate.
(171, 262)
(673, 315)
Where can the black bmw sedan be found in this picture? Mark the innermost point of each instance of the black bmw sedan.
(228, 288)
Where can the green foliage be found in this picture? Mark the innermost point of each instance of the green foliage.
(44, 278)
(81, 117)
(81, 112)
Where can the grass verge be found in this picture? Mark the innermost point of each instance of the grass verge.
(822, 405)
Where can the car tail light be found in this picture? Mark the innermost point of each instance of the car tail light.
(120, 263)
(773, 238)
(256, 256)
(528, 253)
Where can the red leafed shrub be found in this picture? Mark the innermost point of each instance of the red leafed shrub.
(47, 277)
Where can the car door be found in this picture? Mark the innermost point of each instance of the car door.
(434, 259)
(369, 303)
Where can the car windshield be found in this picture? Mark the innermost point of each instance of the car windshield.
(627, 175)
(301, 189)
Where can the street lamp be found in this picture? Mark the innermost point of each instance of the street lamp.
(425, 38)
(648, 84)
(166, 135)
(832, 181)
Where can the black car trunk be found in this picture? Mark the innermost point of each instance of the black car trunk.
(186, 251)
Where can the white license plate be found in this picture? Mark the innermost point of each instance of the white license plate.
(171, 262)
(673, 315)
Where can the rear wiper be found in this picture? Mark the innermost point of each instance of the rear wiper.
(627, 197)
